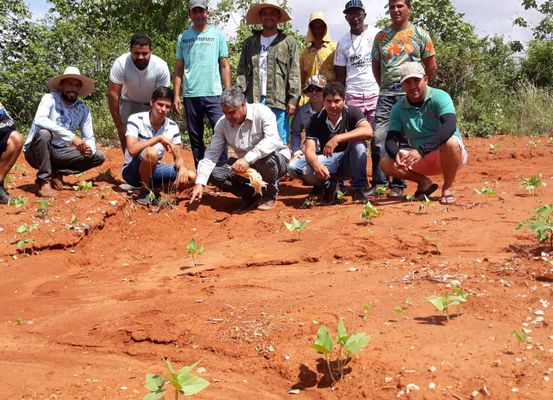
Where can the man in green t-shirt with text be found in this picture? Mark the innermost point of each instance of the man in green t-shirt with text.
(424, 119)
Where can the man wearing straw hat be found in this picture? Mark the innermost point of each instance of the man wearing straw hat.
(268, 71)
(52, 146)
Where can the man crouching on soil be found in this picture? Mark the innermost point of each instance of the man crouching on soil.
(425, 118)
(149, 134)
(335, 148)
(251, 132)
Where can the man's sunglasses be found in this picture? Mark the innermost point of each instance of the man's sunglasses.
(312, 89)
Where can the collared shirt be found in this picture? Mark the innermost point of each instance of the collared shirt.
(299, 124)
(255, 138)
(62, 120)
(140, 127)
(419, 124)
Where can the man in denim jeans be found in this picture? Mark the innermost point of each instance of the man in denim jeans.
(393, 46)
(335, 148)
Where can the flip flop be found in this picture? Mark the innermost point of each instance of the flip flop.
(447, 199)
(419, 194)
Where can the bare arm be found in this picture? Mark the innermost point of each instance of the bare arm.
(363, 131)
(313, 160)
(177, 84)
(377, 69)
(430, 66)
(224, 67)
(340, 73)
(114, 97)
(135, 146)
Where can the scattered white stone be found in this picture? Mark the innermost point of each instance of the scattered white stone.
(270, 348)
(539, 312)
(124, 388)
(201, 370)
(432, 386)
(388, 379)
(474, 394)
(514, 390)
(353, 269)
(544, 303)
(287, 357)
(432, 368)
(411, 387)
(113, 202)
(497, 363)
(546, 378)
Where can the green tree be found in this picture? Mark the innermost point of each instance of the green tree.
(544, 29)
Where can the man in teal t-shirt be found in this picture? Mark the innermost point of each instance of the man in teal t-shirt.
(202, 57)
(425, 119)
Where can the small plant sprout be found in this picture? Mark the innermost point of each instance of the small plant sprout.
(296, 226)
(83, 186)
(534, 143)
(194, 250)
(19, 201)
(532, 184)
(444, 302)
(494, 148)
(340, 196)
(43, 208)
(399, 309)
(423, 206)
(485, 191)
(366, 308)
(410, 197)
(369, 212)
(521, 336)
(24, 232)
(73, 220)
(182, 381)
(541, 223)
(8, 180)
(381, 191)
(349, 344)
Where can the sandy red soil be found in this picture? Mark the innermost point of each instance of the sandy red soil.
(90, 308)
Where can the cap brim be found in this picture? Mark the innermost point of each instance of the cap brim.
(420, 76)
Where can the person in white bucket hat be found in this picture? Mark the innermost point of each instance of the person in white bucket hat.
(52, 147)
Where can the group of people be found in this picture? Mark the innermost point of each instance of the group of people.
(370, 86)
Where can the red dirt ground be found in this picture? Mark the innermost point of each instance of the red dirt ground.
(99, 303)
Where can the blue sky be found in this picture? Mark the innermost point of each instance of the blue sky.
(489, 16)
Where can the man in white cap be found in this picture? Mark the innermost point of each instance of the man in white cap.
(52, 147)
(425, 119)
(202, 60)
(269, 71)
(132, 79)
(394, 45)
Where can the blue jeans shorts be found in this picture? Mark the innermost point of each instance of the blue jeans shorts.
(164, 173)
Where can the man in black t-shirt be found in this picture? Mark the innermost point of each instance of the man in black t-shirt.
(335, 148)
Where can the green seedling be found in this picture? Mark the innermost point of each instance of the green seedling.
(381, 191)
(296, 226)
(83, 186)
(8, 180)
(423, 206)
(340, 196)
(369, 212)
(444, 302)
(485, 191)
(541, 223)
(43, 208)
(399, 309)
(532, 184)
(534, 143)
(194, 250)
(73, 220)
(107, 173)
(182, 381)
(19, 201)
(410, 197)
(24, 232)
(521, 336)
(349, 344)
(366, 308)
(494, 148)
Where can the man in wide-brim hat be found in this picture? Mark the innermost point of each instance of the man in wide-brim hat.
(52, 147)
(268, 71)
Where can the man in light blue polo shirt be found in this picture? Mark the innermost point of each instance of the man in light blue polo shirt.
(425, 119)
(202, 60)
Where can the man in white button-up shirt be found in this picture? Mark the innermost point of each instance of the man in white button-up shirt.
(251, 132)
(52, 146)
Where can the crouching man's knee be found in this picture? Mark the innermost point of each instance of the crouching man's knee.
(150, 155)
(388, 165)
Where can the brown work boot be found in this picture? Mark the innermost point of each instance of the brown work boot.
(57, 181)
(45, 190)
